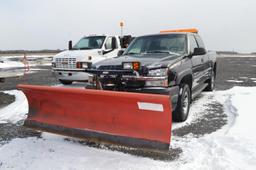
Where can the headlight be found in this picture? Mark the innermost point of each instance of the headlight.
(127, 66)
(53, 64)
(158, 72)
(131, 65)
(84, 65)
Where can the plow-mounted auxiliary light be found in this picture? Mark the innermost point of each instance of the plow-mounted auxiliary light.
(131, 65)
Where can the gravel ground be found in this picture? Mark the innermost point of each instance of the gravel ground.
(41, 77)
(6, 99)
(235, 71)
(231, 71)
(10, 131)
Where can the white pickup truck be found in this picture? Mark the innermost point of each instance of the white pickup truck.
(69, 65)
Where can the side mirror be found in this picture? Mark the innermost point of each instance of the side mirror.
(199, 51)
(120, 52)
(70, 45)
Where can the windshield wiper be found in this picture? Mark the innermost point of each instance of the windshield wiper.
(131, 53)
(85, 48)
(162, 51)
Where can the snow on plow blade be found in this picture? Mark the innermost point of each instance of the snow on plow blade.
(133, 119)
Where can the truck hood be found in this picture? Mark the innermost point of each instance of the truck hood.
(81, 55)
(150, 60)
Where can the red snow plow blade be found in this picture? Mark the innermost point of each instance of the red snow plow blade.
(133, 119)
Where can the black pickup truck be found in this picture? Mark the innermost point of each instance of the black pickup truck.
(172, 63)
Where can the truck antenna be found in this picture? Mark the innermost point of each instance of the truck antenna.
(121, 26)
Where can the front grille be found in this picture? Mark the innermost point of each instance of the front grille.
(66, 63)
(111, 67)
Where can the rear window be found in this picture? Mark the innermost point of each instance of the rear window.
(199, 41)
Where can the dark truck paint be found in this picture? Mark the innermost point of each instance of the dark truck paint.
(174, 64)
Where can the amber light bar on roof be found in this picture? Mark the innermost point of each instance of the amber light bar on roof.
(192, 30)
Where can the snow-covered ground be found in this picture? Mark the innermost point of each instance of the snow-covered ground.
(231, 147)
(236, 55)
(11, 69)
(33, 60)
(13, 66)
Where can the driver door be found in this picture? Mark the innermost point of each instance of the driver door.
(110, 47)
(197, 63)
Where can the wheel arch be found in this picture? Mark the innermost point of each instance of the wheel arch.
(187, 78)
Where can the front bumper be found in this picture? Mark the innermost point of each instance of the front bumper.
(71, 75)
(125, 78)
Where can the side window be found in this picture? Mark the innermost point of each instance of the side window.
(193, 43)
(199, 41)
(108, 44)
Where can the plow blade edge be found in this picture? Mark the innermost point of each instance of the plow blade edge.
(133, 119)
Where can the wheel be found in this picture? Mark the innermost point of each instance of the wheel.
(211, 82)
(180, 114)
(66, 82)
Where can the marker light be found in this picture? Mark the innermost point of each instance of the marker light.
(192, 30)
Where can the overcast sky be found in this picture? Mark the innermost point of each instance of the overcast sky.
(49, 24)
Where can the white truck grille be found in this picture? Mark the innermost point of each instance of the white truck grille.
(66, 63)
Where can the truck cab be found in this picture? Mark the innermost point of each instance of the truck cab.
(69, 65)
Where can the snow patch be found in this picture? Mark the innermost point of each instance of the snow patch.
(17, 110)
(11, 64)
(234, 81)
(235, 55)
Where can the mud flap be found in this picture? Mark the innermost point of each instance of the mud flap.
(133, 119)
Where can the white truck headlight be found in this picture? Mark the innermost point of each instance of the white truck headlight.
(161, 72)
(84, 65)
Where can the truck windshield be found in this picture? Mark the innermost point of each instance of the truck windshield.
(166, 43)
(92, 42)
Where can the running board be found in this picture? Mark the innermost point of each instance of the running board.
(198, 90)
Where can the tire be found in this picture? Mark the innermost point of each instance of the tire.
(211, 82)
(66, 82)
(181, 112)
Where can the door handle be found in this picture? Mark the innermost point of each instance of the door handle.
(202, 60)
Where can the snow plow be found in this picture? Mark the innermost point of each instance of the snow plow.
(124, 118)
